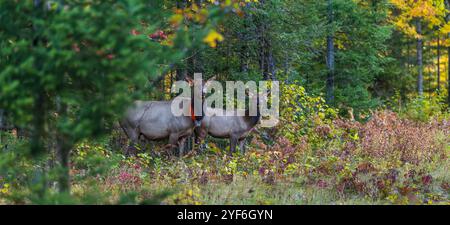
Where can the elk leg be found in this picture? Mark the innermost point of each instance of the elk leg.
(200, 134)
(153, 153)
(134, 138)
(233, 143)
(181, 144)
(132, 149)
(173, 141)
(201, 146)
(199, 138)
(242, 145)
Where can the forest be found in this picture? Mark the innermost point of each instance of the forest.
(364, 114)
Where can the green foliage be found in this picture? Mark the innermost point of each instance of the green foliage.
(359, 61)
(423, 109)
(293, 34)
(301, 112)
(335, 161)
(68, 70)
(80, 56)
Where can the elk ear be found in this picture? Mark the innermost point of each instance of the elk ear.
(189, 80)
(251, 94)
(212, 78)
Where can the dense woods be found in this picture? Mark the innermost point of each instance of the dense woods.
(364, 112)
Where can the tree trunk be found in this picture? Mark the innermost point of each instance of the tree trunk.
(2, 126)
(38, 130)
(2, 120)
(265, 53)
(428, 78)
(419, 58)
(448, 75)
(181, 70)
(271, 63)
(63, 152)
(243, 57)
(63, 148)
(286, 67)
(438, 63)
(243, 51)
(447, 19)
(408, 56)
(262, 52)
(330, 58)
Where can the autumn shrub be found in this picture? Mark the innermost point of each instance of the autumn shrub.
(301, 113)
(387, 135)
(387, 157)
(318, 158)
(421, 108)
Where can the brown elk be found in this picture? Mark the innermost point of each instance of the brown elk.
(154, 120)
(222, 124)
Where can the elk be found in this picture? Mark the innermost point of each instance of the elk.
(154, 120)
(222, 124)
